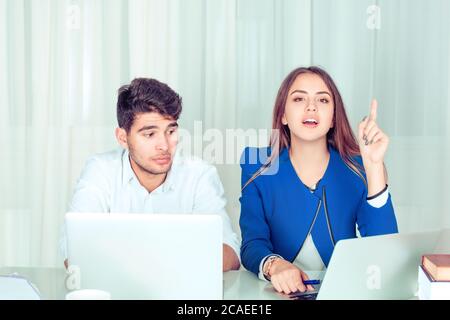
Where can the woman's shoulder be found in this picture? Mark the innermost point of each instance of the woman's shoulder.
(253, 158)
(350, 170)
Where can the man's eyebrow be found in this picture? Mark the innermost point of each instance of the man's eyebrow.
(171, 125)
(147, 128)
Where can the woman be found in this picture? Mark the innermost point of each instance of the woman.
(313, 185)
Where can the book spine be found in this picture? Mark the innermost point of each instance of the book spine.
(429, 268)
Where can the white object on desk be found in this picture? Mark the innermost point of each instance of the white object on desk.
(432, 290)
(14, 287)
(88, 295)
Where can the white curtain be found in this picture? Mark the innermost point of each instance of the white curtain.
(62, 61)
(404, 61)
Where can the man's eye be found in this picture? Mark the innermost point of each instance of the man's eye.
(148, 135)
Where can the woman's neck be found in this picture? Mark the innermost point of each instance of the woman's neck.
(310, 161)
(309, 154)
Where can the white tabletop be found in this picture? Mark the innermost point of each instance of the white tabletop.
(238, 285)
(244, 285)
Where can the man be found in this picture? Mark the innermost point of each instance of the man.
(147, 176)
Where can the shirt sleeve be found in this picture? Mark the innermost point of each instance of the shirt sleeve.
(91, 195)
(261, 265)
(92, 190)
(373, 220)
(210, 198)
(379, 199)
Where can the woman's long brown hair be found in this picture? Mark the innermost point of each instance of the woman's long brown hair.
(340, 137)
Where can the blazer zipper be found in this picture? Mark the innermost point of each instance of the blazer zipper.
(310, 227)
(324, 197)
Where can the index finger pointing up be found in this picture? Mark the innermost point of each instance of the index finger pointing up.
(373, 110)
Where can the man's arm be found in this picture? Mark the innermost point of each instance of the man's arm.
(90, 195)
(210, 198)
(230, 259)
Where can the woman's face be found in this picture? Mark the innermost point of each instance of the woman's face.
(309, 109)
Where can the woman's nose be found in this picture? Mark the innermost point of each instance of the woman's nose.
(311, 106)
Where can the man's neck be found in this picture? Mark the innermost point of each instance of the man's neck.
(148, 180)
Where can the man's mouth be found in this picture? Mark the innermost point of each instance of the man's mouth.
(162, 160)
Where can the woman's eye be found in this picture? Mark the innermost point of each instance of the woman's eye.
(324, 100)
(298, 99)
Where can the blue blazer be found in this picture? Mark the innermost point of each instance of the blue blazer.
(278, 211)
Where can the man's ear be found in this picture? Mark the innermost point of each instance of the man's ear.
(121, 136)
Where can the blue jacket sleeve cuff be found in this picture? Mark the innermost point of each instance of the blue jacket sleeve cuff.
(380, 199)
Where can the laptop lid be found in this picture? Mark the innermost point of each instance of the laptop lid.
(147, 256)
(379, 267)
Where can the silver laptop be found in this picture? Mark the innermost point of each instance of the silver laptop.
(147, 256)
(380, 267)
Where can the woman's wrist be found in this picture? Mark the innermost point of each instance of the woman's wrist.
(268, 267)
(376, 180)
(275, 266)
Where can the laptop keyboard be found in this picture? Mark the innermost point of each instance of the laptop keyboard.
(304, 295)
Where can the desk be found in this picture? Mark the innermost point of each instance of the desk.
(238, 285)
(244, 285)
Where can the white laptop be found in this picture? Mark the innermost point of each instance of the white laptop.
(147, 256)
(380, 267)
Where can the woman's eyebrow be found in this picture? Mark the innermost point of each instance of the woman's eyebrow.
(303, 91)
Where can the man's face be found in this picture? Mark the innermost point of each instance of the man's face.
(151, 141)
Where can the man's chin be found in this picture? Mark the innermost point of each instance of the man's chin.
(160, 169)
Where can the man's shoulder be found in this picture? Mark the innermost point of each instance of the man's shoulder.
(193, 167)
(109, 158)
(106, 163)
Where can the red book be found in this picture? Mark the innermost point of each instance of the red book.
(437, 266)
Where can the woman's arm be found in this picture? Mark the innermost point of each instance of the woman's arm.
(256, 244)
(373, 144)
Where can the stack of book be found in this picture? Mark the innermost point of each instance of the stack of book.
(434, 277)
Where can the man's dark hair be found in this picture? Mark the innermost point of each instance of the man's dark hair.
(146, 95)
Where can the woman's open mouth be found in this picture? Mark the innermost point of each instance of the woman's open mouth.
(310, 123)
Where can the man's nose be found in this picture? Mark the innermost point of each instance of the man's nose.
(163, 144)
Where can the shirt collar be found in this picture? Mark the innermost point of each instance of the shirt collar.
(128, 174)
